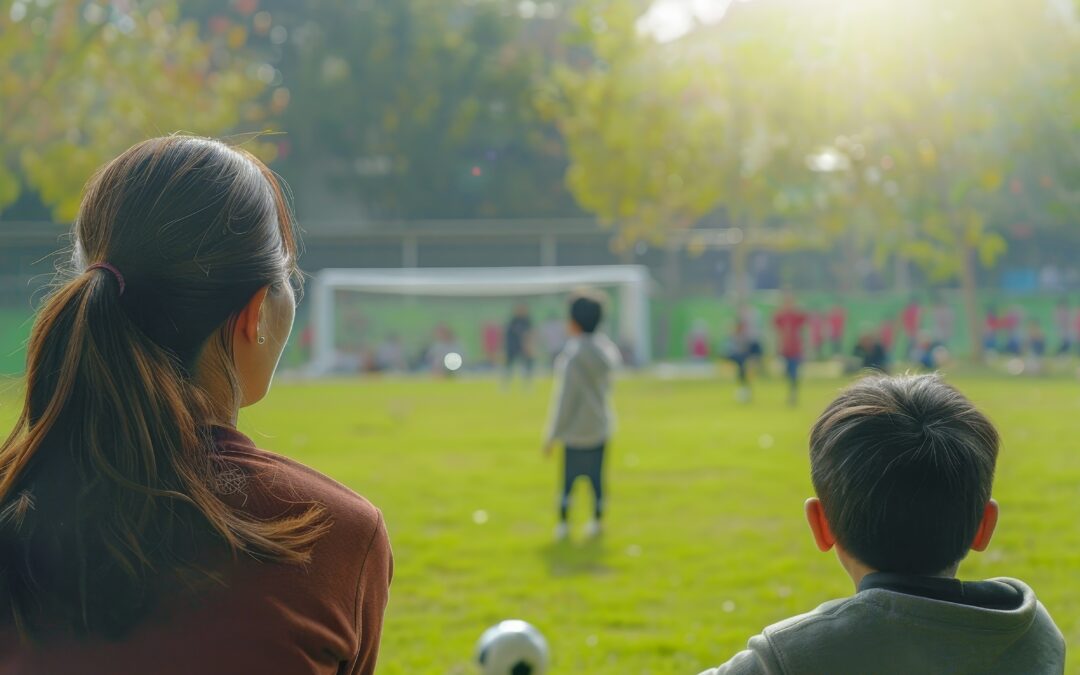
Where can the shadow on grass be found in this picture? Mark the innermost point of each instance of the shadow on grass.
(575, 558)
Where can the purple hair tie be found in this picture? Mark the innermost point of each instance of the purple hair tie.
(110, 268)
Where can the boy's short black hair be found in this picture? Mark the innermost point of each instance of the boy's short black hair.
(903, 467)
(586, 310)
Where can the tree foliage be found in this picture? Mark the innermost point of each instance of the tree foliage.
(917, 131)
(413, 108)
(642, 143)
(82, 81)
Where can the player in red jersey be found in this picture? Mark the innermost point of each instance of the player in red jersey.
(789, 322)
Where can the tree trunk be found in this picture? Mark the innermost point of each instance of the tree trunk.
(672, 291)
(902, 274)
(970, 294)
(740, 253)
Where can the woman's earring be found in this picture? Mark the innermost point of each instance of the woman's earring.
(262, 339)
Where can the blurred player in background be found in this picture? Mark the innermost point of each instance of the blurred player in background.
(750, 318)
(816, 323)
(738, 352)
(553, 332)
(944, 322)
(789, 322)
(991, 330)
(444, 344)
(519, 343)
(1063, 323)
(582, 416)
(910, 321)
(491, 338)
(836, 319)
(1035, 347)
(870, 353)
(698, 343)
(390, 355)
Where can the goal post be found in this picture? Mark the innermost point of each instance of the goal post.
(632, 284)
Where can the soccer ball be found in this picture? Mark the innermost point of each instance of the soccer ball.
(512, 648)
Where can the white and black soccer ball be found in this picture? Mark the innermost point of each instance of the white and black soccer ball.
(512, 648)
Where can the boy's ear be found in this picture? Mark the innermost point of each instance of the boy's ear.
(986, 527)
(815, 517)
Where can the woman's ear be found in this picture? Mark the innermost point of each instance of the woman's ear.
(247, 321)
(815, 517)
(986, 527)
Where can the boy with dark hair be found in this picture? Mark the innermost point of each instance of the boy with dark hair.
(582, 416)
(902, 468)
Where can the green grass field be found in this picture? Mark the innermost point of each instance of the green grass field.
(705, 542)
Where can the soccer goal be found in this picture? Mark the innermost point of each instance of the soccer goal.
(354, 309)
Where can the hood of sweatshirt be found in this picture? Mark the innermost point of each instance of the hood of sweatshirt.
(596, 355)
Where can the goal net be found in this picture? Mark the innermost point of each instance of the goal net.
(411, 319)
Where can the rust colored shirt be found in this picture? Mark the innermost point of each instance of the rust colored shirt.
(324, 618)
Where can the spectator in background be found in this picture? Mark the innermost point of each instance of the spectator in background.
(910, 321)
(887, 333)
(738, 352)
(1076, 326)
(1063, 323)
(991, 329)
(698, 346)
(1013, 327)
(491, 336)
(816, 327)
(307, 342)
(836, 319)
(445, 344)
(944, 322)
(519, 343)
(926, 351)
(553, 332)
(750, 319)
(789, 322)
(1036, 339)
(871, 353)
(390, 355)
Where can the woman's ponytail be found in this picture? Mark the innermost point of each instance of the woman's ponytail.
(107, 481)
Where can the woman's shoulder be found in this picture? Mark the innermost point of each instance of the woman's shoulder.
(270, 486)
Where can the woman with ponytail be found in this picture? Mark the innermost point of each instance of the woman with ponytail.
(140, 532)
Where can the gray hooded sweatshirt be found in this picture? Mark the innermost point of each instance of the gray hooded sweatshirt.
(582, 415)
(882, 632)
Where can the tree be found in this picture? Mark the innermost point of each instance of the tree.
(820, 117)
(81, 82)
(661, 135)
(642, 144)
(945, 127)
(405, 109)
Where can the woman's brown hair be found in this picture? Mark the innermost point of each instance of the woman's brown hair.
(107, 481)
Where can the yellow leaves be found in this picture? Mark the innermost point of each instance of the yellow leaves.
(991, 179)
(147, 76)
(939, 262)
(991, 247)
(464, 119)
(927, 153)
(973, 226)
(237, 37)
(390, 121)
(9, 186)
